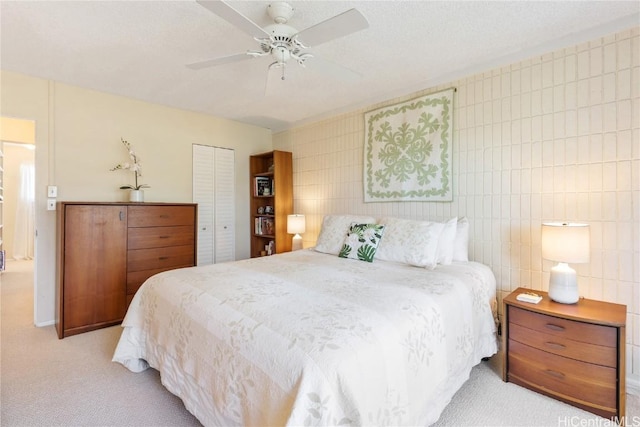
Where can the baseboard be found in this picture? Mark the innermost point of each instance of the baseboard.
(633, 384)
(43, 324)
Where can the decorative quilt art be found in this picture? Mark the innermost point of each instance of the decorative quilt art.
(407, 155)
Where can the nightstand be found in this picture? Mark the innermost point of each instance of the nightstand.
(571, 352)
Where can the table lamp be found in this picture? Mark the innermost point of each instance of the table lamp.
(296, 225)
(565, 243)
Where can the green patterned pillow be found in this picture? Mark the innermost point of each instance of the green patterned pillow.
(362, 241)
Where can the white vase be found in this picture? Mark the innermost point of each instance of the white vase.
(136, 196)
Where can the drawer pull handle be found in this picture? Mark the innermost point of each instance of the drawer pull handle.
(163, 237)
(553, 373)
(555, 327)
(555, 345)
(164, 216)
(162, 258)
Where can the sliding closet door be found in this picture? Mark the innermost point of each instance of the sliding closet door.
(214, 192)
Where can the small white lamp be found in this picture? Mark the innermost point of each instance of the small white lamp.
(565, 243)
(296, 225)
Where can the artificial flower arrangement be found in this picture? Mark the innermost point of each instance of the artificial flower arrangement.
(135, 166)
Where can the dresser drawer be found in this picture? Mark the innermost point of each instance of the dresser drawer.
(149, 259)
(577, 331)
(158, 237)
(589, 384)
(153, 216)
(135, 279)
(561, 345)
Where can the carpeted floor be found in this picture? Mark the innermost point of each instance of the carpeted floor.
(72, 382)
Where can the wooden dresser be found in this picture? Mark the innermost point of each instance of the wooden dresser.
(571, 352)
(105, 251)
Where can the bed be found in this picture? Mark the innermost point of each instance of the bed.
(311, 338)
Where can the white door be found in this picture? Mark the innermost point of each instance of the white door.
(225, 213)
(214, 192)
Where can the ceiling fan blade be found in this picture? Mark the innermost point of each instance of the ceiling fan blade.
(340, 72)
(339, 26)
(229, 14)
(270, 82)
(218, 61)
(283, 80)
(277, 80)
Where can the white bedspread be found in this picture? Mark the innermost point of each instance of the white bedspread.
(306, 338)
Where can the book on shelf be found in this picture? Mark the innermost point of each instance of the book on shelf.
(262, 186)
(267, 226)
(264, 226)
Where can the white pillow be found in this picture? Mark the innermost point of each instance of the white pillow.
(334, 230)
(446, 242)
(461, 245)
(410, 242)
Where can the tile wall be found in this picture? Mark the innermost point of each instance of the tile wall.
(555, 137)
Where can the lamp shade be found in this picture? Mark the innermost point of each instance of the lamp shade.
(295, 224)
(565, 242)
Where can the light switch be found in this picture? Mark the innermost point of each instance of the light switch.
(51, 204)
(52, 191)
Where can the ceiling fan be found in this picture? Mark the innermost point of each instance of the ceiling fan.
(281, 41)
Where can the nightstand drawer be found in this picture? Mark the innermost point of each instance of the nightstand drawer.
(590, 384)
(576, 331)
(561, 345)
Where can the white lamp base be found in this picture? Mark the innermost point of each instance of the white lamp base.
(296, 244)
(563, 287)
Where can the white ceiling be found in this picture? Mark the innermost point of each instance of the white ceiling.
(139, 49)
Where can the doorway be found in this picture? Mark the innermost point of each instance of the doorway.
(17, 183)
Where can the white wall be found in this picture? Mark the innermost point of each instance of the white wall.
(78, 135)
(556, 137)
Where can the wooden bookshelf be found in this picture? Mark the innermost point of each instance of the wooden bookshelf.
(271, 193)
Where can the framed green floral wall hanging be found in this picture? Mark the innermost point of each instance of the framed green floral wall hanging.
(407, 155)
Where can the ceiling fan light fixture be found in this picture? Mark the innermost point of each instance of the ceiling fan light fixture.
(281, 53)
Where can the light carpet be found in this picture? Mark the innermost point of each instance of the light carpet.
(72, 382)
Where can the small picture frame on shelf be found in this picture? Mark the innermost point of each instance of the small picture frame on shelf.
(262, 186)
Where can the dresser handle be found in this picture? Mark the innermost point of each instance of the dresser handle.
(163, 237)
(164, 216)
(162, 258)
(553, 373)
(555, 327)
(555, 345)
